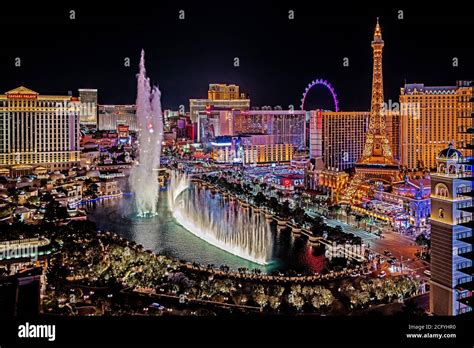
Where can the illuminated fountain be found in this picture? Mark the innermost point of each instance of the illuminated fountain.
(144, 177)
(223, 224)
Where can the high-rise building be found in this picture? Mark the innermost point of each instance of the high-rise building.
(429, 121)
(215, 123)
(220, 97)
(88, 107)
(38, 130)
(392, 127)
(112, 116)
(250, 150)
(283, 126)
(338, 137)
(219, 91)
(451, 234)
(262, 149)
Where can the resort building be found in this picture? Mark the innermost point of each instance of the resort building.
(113, 116)
(88, 107)
(38, 130)
(338, 136)
(430, 121)
(451, 235)
(219, 97)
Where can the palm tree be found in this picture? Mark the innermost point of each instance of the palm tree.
(337, 209)
(280, 195)
(348, 213)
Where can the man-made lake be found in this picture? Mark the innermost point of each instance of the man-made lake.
(164, 235)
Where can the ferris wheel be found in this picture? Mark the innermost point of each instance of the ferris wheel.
(325, 84)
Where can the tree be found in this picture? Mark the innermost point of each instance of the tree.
(92, 190)
(5, 212)
(260, 199)
(321, 297)
(274, 302)
(285, 210)
(348, 213)
(273, 204)
(34, 200)
(259, 296)
(295, 297)
(279, 194)
(299, 215)
(423, 241)
(296, 301)
(411, 308)
(54, 212)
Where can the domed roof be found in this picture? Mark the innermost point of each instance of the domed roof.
(93, 173)
(450, 153)
(57, 176)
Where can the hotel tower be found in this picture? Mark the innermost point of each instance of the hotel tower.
(37, 131)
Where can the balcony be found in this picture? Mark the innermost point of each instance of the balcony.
(468, 208)
(468, 301)
(468, 239)
(469, 270)
(466, 254)
(466, 286)
(466, 161)
(465, 221)
(466, 192)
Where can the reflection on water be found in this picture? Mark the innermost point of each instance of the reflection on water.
(163, 235)
(219, 221)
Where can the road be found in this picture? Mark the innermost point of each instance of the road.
(401, 247)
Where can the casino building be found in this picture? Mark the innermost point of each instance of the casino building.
(219, 97)
(451, 234)
(113, 116)
(38, 131)
(431, 119)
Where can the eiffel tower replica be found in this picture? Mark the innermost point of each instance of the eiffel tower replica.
(377, 163)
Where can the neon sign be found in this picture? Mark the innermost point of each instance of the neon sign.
(21, 96)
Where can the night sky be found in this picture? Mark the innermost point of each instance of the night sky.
(278, 56)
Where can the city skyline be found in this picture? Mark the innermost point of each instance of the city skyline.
(275, 65)
(258, 162)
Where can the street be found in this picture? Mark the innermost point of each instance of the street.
(401, 247)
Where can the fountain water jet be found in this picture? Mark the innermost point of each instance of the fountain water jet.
(144, 177)
(224, 225)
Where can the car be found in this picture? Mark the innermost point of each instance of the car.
(382, 274)
(156, 306)
(386, 252)
(427, 272)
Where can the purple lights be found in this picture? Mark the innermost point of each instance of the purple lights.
(325, 84)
